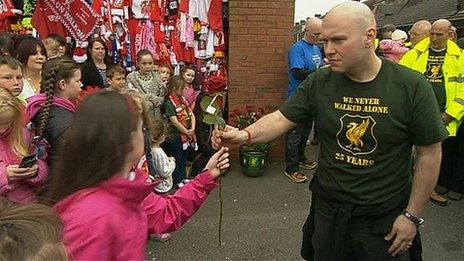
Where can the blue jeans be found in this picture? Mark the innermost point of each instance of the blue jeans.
(295, 146)
(173, 148)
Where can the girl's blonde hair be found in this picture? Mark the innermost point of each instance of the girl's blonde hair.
(9, 103)
(160, 128)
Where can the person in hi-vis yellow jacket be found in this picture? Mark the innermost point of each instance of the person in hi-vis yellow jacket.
(442, 63)
(453, 72)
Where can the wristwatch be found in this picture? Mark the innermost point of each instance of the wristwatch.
(417, 221)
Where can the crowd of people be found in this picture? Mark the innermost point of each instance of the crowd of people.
(102, 150)
(75, 136)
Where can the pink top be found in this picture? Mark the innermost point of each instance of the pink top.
(20, 191)
(111, 221)
(393, 50)
(190, 95)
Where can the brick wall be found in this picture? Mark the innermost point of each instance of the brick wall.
(260, 36)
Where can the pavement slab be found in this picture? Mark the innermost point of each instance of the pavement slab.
(263, 216)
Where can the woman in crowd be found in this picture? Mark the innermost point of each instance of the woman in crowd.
(32, 54)
(94, 68)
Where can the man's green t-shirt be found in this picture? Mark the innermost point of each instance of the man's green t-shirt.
(366, 130)
(434, 74)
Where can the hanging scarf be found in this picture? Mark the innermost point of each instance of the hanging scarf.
(6, 12)
(46, 22)
(76, 15)
(183, 114)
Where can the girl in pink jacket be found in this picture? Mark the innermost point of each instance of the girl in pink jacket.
(17, 184)
(106, 206)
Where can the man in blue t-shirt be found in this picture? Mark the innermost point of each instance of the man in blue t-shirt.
(304, 57)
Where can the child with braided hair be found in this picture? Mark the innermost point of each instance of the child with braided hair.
(16, 183)
(52, 111)
(107, 206)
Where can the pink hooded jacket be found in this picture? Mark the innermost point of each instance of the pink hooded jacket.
(19, 191)
(393, 50)
(111, 221)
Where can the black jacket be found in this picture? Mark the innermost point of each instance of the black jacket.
(58, 122)
(90, 75)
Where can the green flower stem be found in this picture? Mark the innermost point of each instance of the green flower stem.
(220, 212)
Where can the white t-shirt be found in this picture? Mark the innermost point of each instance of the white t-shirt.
(27, 91)
(164, 166)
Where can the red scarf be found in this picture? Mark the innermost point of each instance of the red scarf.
(183, 115)
(76, 15)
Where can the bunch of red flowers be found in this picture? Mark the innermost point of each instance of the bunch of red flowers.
(244, 117)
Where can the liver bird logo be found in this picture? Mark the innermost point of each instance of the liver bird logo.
(356, 134)
(433, 71)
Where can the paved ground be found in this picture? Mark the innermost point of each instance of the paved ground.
(263, 218)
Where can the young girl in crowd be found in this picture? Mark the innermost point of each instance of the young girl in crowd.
(151, 132)
(147, 81)
(18, 184)
(52, 111)
(164, 73)
(183, 132)
(30, 232)
(106, 206)
(164, 165)
(191, 92)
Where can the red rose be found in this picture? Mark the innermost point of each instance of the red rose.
(249, 108)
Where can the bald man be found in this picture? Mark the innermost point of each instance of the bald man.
(366, 202)
(304, 57)
(441, 61)
(419, 31)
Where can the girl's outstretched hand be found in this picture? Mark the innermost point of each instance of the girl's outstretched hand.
(219, 162)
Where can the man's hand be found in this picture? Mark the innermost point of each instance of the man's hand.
(403, 231)
(229, 135)
(446, 118)
(13, 172)
(219, 162)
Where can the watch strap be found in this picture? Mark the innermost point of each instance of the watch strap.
(417, 221)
